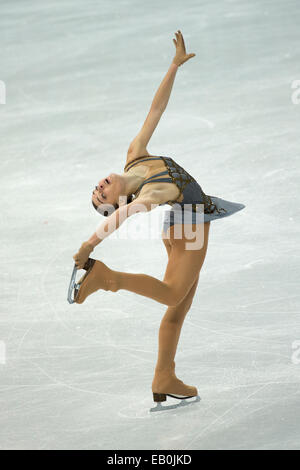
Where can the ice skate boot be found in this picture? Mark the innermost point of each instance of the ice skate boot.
(74, 286)
(97, 276)
(167, 384)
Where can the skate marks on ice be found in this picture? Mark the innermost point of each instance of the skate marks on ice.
(139, 409)
(199, 122)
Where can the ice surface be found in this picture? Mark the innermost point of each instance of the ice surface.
(80, 77)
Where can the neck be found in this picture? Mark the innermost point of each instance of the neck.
(131, 183)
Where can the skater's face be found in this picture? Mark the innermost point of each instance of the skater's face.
(107, 191)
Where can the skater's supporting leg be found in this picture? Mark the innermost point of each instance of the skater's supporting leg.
(169, 332)
(165, 379)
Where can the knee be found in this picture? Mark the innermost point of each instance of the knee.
(176, 296)
(171, 324)
(181, 297)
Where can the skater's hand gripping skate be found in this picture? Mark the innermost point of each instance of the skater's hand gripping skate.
(83, 254)
(181, 56)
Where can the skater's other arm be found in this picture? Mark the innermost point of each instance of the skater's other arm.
(114, 221)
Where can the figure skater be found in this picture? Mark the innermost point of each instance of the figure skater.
(170, 184)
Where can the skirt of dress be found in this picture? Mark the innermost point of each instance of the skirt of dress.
(179, 216)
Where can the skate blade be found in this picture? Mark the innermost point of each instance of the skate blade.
(75, 286)
(184, 402)
(72, 286)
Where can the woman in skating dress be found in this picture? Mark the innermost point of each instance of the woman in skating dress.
(149, 181)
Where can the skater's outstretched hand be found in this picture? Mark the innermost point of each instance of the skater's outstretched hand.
(83, 254)
(181, 56)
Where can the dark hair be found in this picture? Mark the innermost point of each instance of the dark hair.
(116, 206)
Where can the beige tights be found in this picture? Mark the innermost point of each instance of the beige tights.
(176, 291)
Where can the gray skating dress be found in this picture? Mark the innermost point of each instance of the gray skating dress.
(196, 206)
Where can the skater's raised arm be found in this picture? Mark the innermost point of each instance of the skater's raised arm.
(160, 101)
(113, 222)
(163, 93)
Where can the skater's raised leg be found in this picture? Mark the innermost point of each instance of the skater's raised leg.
(182, 270)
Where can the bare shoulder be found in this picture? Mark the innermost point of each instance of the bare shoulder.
(136, 149)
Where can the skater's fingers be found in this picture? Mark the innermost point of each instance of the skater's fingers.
(82, 255)
(77, 262)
